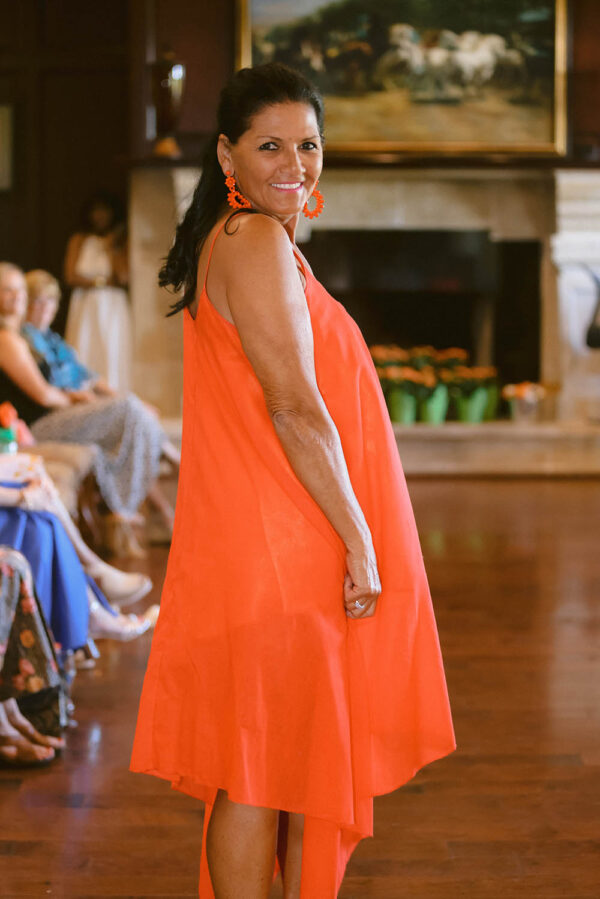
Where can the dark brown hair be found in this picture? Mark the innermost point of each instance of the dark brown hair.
(248, 91)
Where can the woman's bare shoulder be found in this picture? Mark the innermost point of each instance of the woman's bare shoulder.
(11, 342)
(10, 338)
(259, 240)
(257, 228)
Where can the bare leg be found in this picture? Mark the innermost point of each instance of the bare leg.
(241, 842)
(171, 452)
(289, 852)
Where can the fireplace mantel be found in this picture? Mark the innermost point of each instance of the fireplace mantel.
(510, 204)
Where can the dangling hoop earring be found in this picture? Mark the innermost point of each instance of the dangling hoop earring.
(313, 213)
(235, 199)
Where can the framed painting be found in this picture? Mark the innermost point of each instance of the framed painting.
(423, 76)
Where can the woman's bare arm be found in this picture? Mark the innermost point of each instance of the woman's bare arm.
(20, 366)
(269, 309)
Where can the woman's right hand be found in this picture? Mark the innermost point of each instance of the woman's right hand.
(37, 495)
(361, 582)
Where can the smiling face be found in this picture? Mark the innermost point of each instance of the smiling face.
(42, 310)
(278, 160)
(13, 292)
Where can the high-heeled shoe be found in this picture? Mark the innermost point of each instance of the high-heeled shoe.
(104, 626)
(121, 588)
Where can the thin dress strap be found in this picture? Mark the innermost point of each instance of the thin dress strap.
(210, 252)
(299, 258)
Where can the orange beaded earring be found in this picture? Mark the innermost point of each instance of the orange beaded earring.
(313, 213)
(235, 199)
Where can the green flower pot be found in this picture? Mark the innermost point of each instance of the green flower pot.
(434, 408)
(402, 406)
(472, 408)
(493, 399)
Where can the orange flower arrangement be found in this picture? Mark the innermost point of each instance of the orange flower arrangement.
(388, 354)
(400, 373)
(528, 391)
(462, 380)
(420, 383)
(456, 374)
(451, 354)
(486, 372)
(422, 356)
(420, 369)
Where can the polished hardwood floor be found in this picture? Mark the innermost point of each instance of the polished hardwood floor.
(514, 571)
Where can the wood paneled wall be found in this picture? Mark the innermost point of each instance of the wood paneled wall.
(201, 33)
(64, 69)
(584, 92)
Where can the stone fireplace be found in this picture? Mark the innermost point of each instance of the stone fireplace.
(556, 213)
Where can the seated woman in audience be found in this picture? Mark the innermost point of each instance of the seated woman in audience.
(25, 483)
(28, 669)
(128, 435)
(57, 361)
(74, 606)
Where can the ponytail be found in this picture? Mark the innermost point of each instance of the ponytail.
(180, 266)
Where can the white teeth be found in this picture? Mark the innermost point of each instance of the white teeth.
(290, 186)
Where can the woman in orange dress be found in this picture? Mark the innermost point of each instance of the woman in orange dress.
(295, 670)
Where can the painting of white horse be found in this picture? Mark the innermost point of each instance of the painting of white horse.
(423, 76)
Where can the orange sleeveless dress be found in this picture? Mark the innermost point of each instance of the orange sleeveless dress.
(257, 681)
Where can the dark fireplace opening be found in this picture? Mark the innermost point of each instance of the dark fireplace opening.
(444, 288)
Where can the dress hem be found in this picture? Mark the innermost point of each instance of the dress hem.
(381, 790)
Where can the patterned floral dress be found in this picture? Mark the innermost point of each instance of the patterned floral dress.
(28, 660)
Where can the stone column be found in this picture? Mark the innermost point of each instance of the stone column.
(576, 253)
(158, 341)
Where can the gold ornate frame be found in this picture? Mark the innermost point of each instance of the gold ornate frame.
(555, 147)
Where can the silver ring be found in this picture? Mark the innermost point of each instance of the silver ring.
(360, 605)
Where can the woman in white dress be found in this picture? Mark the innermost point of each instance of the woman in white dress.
(99, 320)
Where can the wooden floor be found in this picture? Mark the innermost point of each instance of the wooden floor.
(514, 570)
